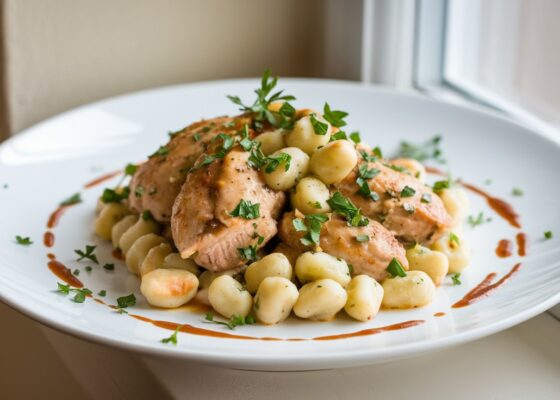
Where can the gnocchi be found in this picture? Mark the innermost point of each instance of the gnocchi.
(313, 266)
(139, 249)
(414, 167)
(175, 261)
(275, 299)
(282, 179)
(456, 203)
(310, 196)
(320, 300)
(271, 141)
(304, 136)
(416, 289)
(456, 250)
(168, 288)
(432, 262)
(155, 258)
(109, 215)
(364, 298)
(334, 161)
(121, 227)
(140, 228)
(228, 297)
(274, 264)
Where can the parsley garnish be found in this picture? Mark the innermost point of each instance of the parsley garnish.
(88, 254)
(319, 127)
(409, 208)
(377, 152)
(548, 235)
(88, 268)
(368, 157)
(246, 143)
(245, 209)
(235, 320)
(24, 241)
(423, 151)
(311, 224)
(130, 169)
(336, 118)
(146, 215)
(102, 293)
(173, 337)
(340, 135)
(249, 253)
(162, 151)
(260, 106)
(397, 168)
(343, 206)
(440, 186)
(517, 192)
(109, 266)
(362, 238)
(113, 196)
(227, 144)
(74, 199)
(196, 137)
(363, 175)
(139, 191)
(455, 279)
(426, 198)
(79, 294)
(76, 272)
(407, 192)
(355, 137)
(453, 238)
(272, 162)
(479, 220)
(126, 301)
(395, 268)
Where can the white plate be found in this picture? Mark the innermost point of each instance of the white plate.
(54, 159)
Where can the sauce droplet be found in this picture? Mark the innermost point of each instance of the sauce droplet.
(439, 314)
(48, 239)
(64, 273)
(504, 209)
(521, 239)
(372, 331)
(504, 248)
(101, 179)
(117, 254)
(486, 287)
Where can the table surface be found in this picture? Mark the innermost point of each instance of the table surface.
(513, 364)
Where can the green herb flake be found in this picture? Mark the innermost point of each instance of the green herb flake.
(272, 162)
(407, 191)
(88, 268)
(87, 254)
(395, 268)
(440, 186)
(426, 198)
(173, 338)
(478, 220)
(76, 272)
(409, 208)
(74, 199)
(517, 192)
(334, 117)
(427, 150)
(246, 209)
(312, 224)
(102, 293)
(196, 137)
(130, 169)
(455, 279)
(109, 266)
(235, 321)
(139, 191)
(23, 241)
(320, 128)
(364, 174)
(126, 301)
(146, 215)
(355, 137)
(317, 205)
(548, 235)
(454, 240)
(161, 151)
(344, 207)
(340, 135)
(114, 196)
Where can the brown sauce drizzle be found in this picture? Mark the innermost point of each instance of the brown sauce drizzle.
(439, 314)
(55, 216)
(504, 248)
(64, 273)
(373, 331)
(51, 256)
(486, 287)
(117, 254)
(504, 209)
(101, 179)
(521, 239)
(434, 171)
(48, 239)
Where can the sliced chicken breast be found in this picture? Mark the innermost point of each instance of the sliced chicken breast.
(157, 182)
(202, 224)
(370, 257)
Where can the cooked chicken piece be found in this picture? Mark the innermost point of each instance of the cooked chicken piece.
(369, 257)
(157, 182)
(201, 223)
(415, 215)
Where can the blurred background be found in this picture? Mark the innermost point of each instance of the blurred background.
(59, 54)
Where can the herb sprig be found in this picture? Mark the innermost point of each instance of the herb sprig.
(429, 149)
(87, 254)
(234, 321)
(344, 207)
(23, 241)
(311, 224)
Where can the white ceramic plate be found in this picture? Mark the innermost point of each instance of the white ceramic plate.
(54, 160)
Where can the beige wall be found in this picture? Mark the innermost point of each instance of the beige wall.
(62, 53)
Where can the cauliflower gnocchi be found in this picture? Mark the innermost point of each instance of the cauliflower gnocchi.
(219, 196)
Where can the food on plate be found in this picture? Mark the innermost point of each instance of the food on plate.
(278, 211)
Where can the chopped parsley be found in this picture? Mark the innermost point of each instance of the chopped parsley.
(223, 150)
(454, 239)
(88, 268)
(272, 162)
(80, 294)
(362, 238)
(235, 321)
(334, 117)
(426, 198)
(173, 337)
(245, 209)
(260, 107)
(87, 254)
(440, 186)
(548, 235)
(395, 268)
(23, 241)
(344, 207)
(115, 195)
(429, 149)
(246, 143)
(102, 293)
(109, 266)
(161, 151)
(130, 169)
(76, 272)
(478, 220)
(249, 253)
(455, 279)
(146, 215)
(517, 192)
(340, 135)
(377, 152)
(409, 208)
(364, 173)
(368, 157)
(311, 224)
(407, 192)
(126, 301)
(74, 199)
(355, 137)
(196, 137)
(139, 191)
(319, 127)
